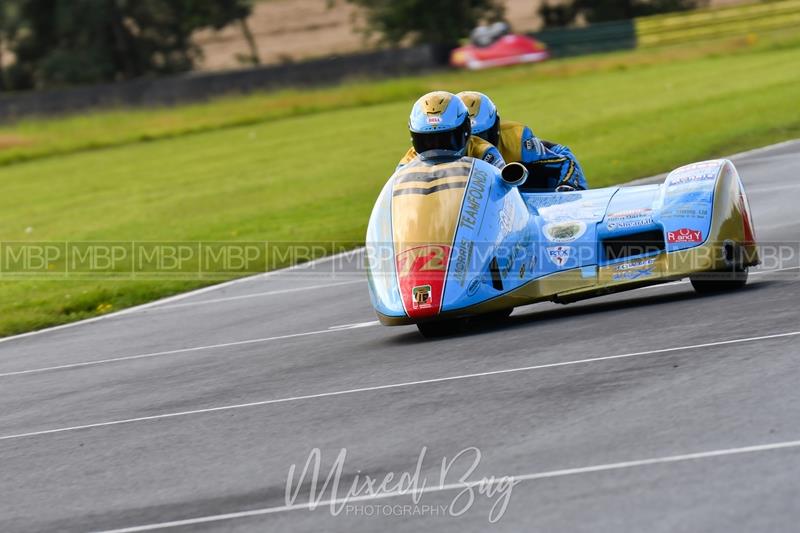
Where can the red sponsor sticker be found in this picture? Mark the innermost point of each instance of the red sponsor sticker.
(421, 272)
(684, 235)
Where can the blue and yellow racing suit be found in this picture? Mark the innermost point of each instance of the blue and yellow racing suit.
(476, 147)
(549, 165)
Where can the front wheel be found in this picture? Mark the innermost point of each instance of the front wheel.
(720, 281)
(497, 316)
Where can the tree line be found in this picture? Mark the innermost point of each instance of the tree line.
(70, 42)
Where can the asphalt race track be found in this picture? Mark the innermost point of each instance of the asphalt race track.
(653, 410)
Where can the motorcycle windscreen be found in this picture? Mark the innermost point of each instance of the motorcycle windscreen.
(426, 202)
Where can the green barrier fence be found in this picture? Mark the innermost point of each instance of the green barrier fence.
(713, 23)
(674, 28)
(595, 38)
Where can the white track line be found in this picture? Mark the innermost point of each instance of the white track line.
(332, 329)
(770, 271)
(398, 385)
(461, 486)
(258, 295)
(740, 155)
(181, 296)
(134, 357)
(761, 150)
(685, 281)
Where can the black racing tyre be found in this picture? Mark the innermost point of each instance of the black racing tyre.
(442, 328)
(720, 281)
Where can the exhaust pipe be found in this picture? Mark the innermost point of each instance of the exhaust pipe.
(514, 174)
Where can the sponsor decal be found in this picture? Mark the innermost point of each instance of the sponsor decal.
(630, 265)
(473, 198)
(434, 120)
(692, 178)
(489, 157)
(629, 275)
(684, 235)
(462, 260)
(539, 201)
(564, 231)
(696, 172)
(518, 252)
(691, 197)
(632, 218)
(631, 270)
(559, 255)
(473, 287)
(686, 212)
(507, 216)
(630, 213)
(698, 166)
(534, 145)
(622, 224)
(421, 297)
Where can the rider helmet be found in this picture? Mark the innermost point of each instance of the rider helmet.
(439, 121)
(483, 115)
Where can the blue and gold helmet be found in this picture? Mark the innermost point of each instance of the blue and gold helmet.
(483, 115)
(439, 121)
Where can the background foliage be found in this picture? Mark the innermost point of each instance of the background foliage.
(441, 24)
(566, 13)
(66, 42)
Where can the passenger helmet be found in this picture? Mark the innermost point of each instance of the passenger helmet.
(483, 115)
(439, 121)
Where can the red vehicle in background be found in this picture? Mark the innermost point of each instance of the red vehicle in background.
(494, 46)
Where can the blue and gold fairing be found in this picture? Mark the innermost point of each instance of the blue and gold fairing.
(507, 239)
(510, 248)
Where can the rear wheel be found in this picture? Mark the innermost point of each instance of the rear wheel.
(720, 281)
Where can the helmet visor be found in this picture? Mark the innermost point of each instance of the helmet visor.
(492, 134)
(454, 140)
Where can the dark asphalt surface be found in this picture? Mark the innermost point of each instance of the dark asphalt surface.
(198, 463)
